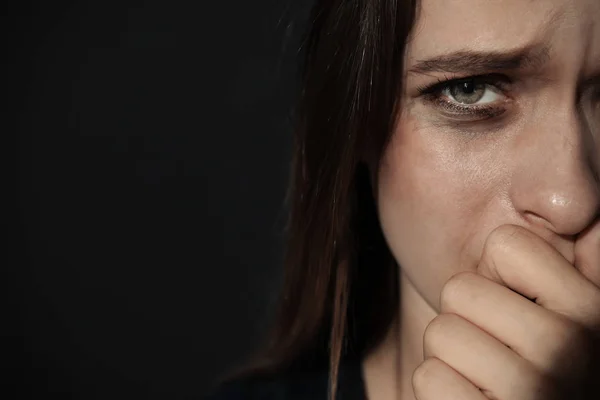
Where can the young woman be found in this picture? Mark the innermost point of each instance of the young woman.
(444, 236)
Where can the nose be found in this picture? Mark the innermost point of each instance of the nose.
(555, 181)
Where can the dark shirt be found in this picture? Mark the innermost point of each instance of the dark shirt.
(296, 386)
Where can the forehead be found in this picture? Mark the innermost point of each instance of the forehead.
(445, 26)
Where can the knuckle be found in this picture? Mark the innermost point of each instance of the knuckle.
(507, 233)
(424, 374)
(436, 332)
(432, 332)
(454, 289)
(504, 246)
(501, 239)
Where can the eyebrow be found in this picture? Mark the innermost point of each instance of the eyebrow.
(468, 61)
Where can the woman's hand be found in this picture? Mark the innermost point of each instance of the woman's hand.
(524, 327)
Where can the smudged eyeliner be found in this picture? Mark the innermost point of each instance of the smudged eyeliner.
(434, 95)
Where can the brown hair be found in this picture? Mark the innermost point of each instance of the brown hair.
(340, 290)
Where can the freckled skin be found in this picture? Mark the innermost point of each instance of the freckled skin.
(446, 184)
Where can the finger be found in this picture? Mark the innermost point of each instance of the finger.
(435, 380)
(534, 333)
(483, 360)
(587, 253)
(525, 263)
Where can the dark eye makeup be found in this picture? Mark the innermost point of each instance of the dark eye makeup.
(458, 97)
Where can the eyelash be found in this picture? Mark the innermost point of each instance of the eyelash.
(433, 94)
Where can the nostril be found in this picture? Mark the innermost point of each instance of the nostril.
(563, 242)
(537, 220)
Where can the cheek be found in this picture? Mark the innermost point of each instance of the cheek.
(433, 205)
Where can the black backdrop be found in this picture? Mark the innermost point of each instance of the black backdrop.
(153, 140)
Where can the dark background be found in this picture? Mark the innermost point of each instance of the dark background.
(153, 145)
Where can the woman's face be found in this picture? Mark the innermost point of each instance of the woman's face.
(518, 144)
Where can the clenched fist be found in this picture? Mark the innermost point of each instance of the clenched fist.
(525, 326)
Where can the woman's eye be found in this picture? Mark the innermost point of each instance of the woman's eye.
(471, 92)
(472, 99)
